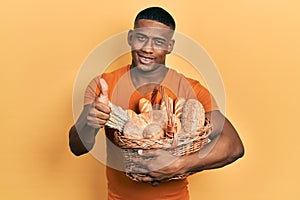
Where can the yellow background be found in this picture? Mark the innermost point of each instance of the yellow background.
(255, 45)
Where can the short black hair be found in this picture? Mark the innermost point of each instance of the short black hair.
(157, 14)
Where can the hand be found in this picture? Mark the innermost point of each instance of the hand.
(99, 110)
(157, 165)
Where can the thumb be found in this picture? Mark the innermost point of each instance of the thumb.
(104, 91)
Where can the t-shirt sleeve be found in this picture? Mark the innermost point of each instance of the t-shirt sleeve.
(92, 91)
(205, 97)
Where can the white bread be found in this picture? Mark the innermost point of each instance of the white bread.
(131, 113)
(178, 107)
(163, 104)
(145, 105)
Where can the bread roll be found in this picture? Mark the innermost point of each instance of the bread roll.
(193, 116)
(163, 104)
(131, 113)
(159, 117)
(153, 131)
(134, 127)
(178, 107)
(145, 105)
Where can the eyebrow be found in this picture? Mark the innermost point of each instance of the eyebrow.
(156, 38)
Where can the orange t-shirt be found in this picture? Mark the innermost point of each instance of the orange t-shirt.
(122, 92)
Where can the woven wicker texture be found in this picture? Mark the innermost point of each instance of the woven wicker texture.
(189, 139)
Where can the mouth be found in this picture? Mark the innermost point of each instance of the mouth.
(145, 59)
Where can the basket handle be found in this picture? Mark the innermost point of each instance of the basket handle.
(171, 131)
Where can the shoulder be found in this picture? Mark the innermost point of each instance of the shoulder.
(116, 73)
(93, 89)
(113, 77)
(192, 88)
(173, 74)
(108, 76)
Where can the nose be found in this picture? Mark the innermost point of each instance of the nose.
(148, 46)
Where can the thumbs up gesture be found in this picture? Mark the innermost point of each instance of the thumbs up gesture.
(99, 111)
(103, 98)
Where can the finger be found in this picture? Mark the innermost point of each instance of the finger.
(156, 175)
(154, 183)
(104, 87)
(100, 111)
(151, 153)
(141, 161)
(104, 91)
(95, 120)
(146, 179)
(143, 178)
(99, 105)
(140, 166)
(139, 170)
(94, 125)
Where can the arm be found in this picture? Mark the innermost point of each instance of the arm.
(93, 117)
(81, 135)
(225, 148)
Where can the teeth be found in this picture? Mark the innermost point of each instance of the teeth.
(146, 60)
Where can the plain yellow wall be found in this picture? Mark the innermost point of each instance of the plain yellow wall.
(255, 45)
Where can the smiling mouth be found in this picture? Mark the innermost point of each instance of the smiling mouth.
(145, 60)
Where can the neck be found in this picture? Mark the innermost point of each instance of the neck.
(147, 80)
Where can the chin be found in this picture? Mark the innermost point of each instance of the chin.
(146, 68)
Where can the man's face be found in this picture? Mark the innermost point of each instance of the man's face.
(150, 42)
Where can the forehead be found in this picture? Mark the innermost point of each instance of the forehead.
(152, 28)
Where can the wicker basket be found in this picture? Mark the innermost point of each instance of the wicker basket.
(131, 148)
(177, 145)
(184, 146)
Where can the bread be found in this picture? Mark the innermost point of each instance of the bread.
(159, 117)
(188, 118)
(153, 131)
(193, 116)
(146, 125)
(145, 105)
(178, 107)
(163, 104)
(134, 127)
(131, 113)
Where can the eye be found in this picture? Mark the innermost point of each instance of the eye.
(141, 38)
(159, 42)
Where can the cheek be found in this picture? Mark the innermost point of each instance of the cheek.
(161, 53)
(136, 45)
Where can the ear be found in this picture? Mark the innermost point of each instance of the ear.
(129, 37)
(171, 46)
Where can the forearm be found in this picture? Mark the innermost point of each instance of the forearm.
(81, 135)
(81, 141)
(225, 148)
(216, 158)
(220, 152)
